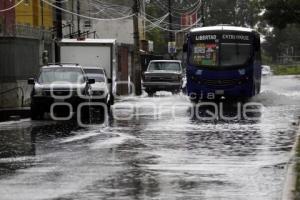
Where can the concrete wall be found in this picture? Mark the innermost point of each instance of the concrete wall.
(121, 30)
(21, 92)
(19, 60)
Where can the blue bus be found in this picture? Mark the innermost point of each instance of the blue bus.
(223, 61)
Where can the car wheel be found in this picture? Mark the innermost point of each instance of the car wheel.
(36, 113)
(176, 91)
(194, 100)
(150, 93)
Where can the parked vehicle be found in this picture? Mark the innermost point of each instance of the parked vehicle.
(266, 70)
(64, 83)
(223, 61)
(163, 75)
(99, 90)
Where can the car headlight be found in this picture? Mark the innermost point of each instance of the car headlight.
(38, 92)
(176, 77)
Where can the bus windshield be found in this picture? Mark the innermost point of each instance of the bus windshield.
(233, 54)
(224, 50)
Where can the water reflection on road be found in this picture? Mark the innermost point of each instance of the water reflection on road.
(155, 154)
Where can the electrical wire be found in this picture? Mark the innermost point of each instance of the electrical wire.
(153, 24)
(186, 9)
(169, 30)
(12, 7)
(193, 9)
(106, 7)
(179, 15)
(87, 17)
(159, 19)
(151, 27)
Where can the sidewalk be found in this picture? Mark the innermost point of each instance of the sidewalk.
(7, 114)
(292, 173)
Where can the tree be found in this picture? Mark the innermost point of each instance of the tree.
(233, 12)
(279, 13)
(282, 42)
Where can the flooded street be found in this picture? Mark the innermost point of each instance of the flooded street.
(163, 150)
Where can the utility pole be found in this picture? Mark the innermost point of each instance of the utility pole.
(78, 18)
(59, 33)
(136, 51)
(44, 56)
(42, 14)
(171, 35)
(170, 21)
(202, 13)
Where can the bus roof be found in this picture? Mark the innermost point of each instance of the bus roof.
(222, 28)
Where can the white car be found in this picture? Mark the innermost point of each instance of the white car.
(99, 90)
(266, 70)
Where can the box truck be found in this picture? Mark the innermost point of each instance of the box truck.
(91, 52)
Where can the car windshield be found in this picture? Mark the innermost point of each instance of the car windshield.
(97, 74)
(224, 54)
(167, 66)
(93, 71)
(97, 77)
(71, 75)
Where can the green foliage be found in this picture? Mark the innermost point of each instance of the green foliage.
(160, 43)
(279, 13)
(283, 42)
(267, 60)
(234, 12)
(157, 35)
(286, 70)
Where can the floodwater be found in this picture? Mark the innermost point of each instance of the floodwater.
(157, 148)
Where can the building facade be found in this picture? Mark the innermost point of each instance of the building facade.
(25, 32)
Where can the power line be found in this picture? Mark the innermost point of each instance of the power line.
(186, 9)
(151, 27)
(87, 17)
(193, 9)
(12, 7)
(175, 31)
(101, 9)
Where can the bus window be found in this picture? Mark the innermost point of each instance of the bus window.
(204, 54)
(234, 54)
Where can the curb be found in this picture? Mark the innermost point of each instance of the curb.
(289, 188)
(9, 114)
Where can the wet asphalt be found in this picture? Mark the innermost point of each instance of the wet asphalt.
(159, 147)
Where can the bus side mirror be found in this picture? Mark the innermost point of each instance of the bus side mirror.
(109, 81)
(185, 47)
